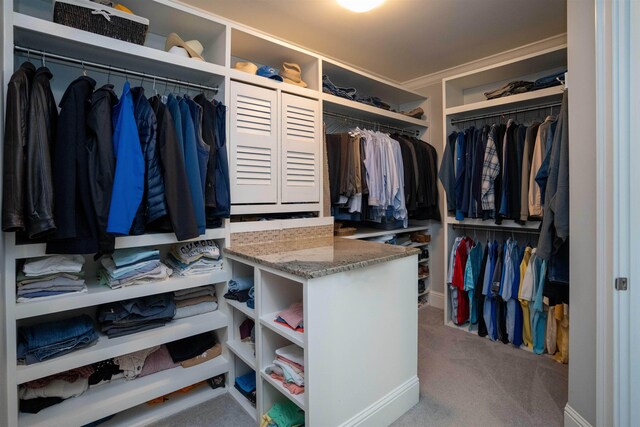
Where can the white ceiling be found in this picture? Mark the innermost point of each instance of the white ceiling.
(403, 39)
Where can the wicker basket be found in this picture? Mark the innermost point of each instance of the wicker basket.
(96, 18)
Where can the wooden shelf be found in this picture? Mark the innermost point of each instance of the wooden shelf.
(423, 277)
(45, 35)
(298, 399)
(521, 100)
(98, 294)
(359, 110)
(242, 307)
(32, 250)
(284, 331)
(423, 261)
(107, 348)
(244, 351)
(101, 401)
(144, 414)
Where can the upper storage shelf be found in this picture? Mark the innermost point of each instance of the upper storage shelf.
(264, 50)
(465, 92)
(366, 86)
(35, 29)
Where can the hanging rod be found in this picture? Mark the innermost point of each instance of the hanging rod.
(496, 228)
(112, 69)
(503, 113)
(413, 132)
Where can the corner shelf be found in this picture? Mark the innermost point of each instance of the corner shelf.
(100, 401)
(367, 232)
(107, 348)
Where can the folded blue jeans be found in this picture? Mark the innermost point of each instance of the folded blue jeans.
(240, 284)
(343, 92)
(47, 340)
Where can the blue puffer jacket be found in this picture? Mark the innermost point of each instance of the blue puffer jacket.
(154, 205)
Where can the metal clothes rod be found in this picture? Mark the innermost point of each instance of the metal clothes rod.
(112, 69)
(496, 228)
(504, 113)
(372, 123)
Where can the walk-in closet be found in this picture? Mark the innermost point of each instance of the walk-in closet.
(322, 213)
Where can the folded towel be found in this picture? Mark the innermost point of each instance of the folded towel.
(194, 310)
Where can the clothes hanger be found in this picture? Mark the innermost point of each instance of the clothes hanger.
(43, 58)
(84, 69)
(109, 75)
(154, 86)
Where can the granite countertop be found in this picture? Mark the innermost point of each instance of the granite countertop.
(317, 257)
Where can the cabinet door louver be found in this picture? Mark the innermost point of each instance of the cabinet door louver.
(254, 145)
(300, 149)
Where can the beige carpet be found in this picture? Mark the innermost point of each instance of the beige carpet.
(464, 381)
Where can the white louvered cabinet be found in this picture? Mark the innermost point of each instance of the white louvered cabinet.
(300, 181)
(254, 145)
(275, 144)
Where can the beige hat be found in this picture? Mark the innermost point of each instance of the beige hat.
(247, 67)
(193, 47)
(291, 73)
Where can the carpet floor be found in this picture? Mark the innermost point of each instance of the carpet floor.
(464, 381)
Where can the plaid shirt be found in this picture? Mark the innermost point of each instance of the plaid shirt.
(490, 171)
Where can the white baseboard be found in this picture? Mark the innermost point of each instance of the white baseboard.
(573, 419)
(388, 409)
(436, 299)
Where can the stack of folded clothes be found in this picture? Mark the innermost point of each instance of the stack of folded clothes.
(193, 258)
(288, 367)
(246, 385)
(39, 394)
(45, 341)
(285, 414)
(50, 277)
(292, 317)
(240, 288)
(192, 351)
(194, 301)
(135, 315)
(131, 267)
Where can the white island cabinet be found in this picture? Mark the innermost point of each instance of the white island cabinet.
(360, 337)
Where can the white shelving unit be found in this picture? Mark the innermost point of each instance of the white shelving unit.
(28, 23)
(463, 98)
(323, 336)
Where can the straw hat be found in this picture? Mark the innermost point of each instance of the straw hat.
(247, 67)
(193, 47)
(291, 73)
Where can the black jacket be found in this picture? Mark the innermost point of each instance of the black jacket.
(43, 117)
(209, 138)
(74, 211)
(15, 144)
(177, 193)
(153, 205)
(102, 162)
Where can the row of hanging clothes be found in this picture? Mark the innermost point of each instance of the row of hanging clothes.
(502, 291)
(380, 178)
(104, 165)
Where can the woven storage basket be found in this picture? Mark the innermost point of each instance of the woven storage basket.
(96, 18)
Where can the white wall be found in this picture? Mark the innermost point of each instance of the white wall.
(583, 240)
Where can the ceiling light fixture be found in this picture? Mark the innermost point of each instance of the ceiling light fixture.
(360, 6)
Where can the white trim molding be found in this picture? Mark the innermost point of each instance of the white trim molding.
(573, 419)
(434, 78)
(436, 299)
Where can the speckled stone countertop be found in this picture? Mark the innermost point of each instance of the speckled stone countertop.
(311, 258)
